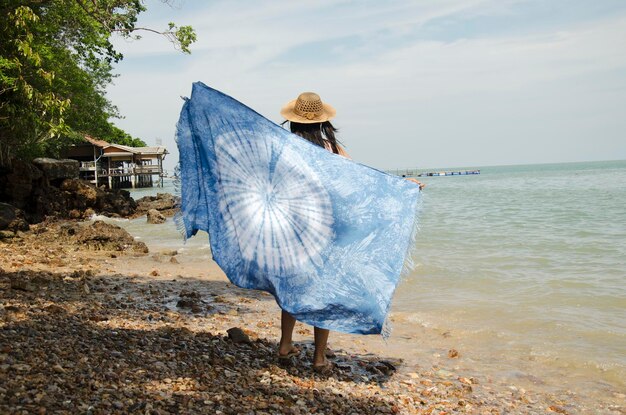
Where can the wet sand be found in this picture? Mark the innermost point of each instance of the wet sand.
(92, 331)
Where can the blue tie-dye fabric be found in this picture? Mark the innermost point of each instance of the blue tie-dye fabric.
(326, 236)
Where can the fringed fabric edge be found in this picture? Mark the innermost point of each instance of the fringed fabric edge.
(179, 220)
(409, 264)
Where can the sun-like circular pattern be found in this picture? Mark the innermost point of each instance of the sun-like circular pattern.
(280, 214)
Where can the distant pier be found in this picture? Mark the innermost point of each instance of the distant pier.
(418, 173)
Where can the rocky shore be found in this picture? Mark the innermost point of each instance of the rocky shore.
(50, 188)
(91, 322)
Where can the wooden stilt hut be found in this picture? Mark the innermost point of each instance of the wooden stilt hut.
(118, 166)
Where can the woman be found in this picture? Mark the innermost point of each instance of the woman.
(309, 118)
(274, 220)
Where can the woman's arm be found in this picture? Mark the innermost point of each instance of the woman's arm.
(412, 179)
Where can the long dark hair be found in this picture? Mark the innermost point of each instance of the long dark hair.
(317, 133)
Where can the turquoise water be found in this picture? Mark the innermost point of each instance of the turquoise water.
(523, 268)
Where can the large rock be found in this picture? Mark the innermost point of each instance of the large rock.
(44, 191)
(84, 194)
(49, 201)
(17, 185)
(165, 203)
(116, 202)
(55, 169)
(76, 198)
(12, 218)
(103, 236)
(154, 216)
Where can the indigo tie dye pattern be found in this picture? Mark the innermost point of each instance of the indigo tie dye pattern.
(326, 236)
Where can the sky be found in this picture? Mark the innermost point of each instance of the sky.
(416, 84)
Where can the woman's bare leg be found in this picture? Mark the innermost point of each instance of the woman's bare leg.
(321, 339)
(287, 323)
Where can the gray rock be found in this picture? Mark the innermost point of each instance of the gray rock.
(237, 335)
(154, 216)
(12, 218)
(165, 203)
(84, 194)
(22, 282)
(185, 303)
(11, 235)
(18, 183)
(58, 169)
(104, 236)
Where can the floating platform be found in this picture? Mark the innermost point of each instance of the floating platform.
(415, 173)
(449, 173)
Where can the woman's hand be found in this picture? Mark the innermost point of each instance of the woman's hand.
(420, 184)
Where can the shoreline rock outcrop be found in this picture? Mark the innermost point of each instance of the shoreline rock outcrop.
(102, 236)
(164, 203)
(155, 217)
(57, 170)
(51, 188)
(12, 218)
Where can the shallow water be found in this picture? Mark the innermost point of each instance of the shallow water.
(526, 265)
(521, 268)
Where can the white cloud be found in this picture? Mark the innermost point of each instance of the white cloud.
(400, 102)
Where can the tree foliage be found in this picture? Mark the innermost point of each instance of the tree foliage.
(56, 59)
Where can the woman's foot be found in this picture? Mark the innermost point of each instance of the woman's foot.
(287, 351)
(320, 363)
(323, 368)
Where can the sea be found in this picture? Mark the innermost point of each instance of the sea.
(521, 269)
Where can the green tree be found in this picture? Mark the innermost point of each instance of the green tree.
(56, 59)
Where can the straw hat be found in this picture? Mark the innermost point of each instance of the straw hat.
(308, 109)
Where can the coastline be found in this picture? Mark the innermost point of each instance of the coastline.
(110, 332)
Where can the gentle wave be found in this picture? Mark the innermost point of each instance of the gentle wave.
(534, 256)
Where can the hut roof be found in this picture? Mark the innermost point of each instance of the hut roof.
(155, 150)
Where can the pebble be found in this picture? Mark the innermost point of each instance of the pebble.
(20, 367)
(58, 368)
(444, 373)
(237, 335)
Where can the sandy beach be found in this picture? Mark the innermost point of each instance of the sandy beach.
(87, 330)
